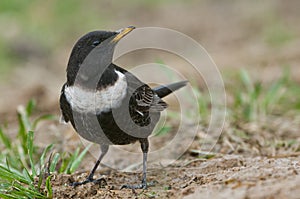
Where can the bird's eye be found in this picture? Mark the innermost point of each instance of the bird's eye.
(95, 43)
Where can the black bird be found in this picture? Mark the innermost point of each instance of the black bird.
(105, 103)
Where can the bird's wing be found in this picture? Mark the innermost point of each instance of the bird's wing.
(66, 111)
(142, 98)
(146, 100)
(143, 103)
(141, 94)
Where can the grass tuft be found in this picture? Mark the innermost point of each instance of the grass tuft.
(24, 171)
(253, 101)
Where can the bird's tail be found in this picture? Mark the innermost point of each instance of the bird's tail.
(165, 90)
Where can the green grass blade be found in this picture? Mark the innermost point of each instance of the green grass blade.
(11, 175)
(22, 157)
(49, 187)
(272, 95)
(24, 127)
(78, 159)
(71, 160)
(8, 196)
(7, 163)
(30, 107)
(6, 140)
(45, 152)
(29, 192)
(245, 78)
(54, 162)
(27, 175)
(30, 151)
(41, 177)
(64, 163)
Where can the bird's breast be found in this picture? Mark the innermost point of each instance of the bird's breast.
(85, 100)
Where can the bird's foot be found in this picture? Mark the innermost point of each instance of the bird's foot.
(89, 180)
(143, 185)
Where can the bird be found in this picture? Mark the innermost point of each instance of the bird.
(105, 103)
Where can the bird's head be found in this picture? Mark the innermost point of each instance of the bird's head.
(84, 46)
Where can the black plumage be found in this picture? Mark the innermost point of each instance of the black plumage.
(129, 118)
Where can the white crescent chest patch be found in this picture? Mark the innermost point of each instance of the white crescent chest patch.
(83, 100)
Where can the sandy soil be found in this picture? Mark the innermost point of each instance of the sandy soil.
(230, 176)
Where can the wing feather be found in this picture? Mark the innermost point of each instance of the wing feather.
(143, 100)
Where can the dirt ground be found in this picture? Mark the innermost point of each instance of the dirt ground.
(229, 176)
(234, 36)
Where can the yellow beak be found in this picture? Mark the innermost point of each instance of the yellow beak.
(122, 33)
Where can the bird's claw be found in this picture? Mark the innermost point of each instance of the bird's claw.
(143, 185)
(88, 180)
(135, 186)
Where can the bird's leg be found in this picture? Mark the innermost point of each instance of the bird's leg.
(145, 148)
(143, 185)
(104, 149)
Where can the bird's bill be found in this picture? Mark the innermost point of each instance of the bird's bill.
(122, 33)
